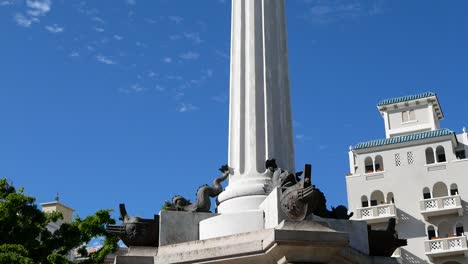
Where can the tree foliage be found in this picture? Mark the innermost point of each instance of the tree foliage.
(25, 239)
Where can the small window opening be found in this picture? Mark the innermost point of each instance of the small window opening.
(431, 232)
(459, 231)
(426, 193)
(379, 166)
(454, 189)
(407, 116)
(369, 165)
(440, 153)
(460, 154)
(430, 156)
(364, 201)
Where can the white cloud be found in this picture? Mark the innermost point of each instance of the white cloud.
(320, 11)
(189, 55)
(133, 89)
(167, 60)
(6, 2)
(131, 2)
(302, 137)
(25, 21)
(222, 54)
(35, 9)
(103, 59)
(176, 19)
(194, 36)
(55, 28)
(183, 108)
(74, 54)
(118, 37)
(220, 98)
(98, 19)
(159, 88)
(98, 29)
(38, 7)
(208, 73)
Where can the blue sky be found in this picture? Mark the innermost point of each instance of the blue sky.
(127, 101)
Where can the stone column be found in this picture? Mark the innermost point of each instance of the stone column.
(260, 124)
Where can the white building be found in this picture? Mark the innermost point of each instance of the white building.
(418, 174)
(56, 206)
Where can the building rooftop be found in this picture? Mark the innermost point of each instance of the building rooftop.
(405, 98)
(400, 139)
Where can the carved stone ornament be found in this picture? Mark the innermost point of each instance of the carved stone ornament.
(299, 198)
(204, 195)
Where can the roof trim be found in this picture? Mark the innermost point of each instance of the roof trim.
(406, 138)
(405, 98)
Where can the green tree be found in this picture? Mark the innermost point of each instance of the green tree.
(24, 238)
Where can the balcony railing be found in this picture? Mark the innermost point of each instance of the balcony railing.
(376, 214)
(442, 247)
(441, 206)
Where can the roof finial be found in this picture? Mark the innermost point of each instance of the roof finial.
(464, 130)
(57, 198)
(350, 147)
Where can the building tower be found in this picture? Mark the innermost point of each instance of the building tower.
(418, 175)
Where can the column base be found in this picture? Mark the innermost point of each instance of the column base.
(241, 204)
(244, 194)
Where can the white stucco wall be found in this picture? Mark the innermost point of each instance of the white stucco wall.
(425, 120)
(407, 182)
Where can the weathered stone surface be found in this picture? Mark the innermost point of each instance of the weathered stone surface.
(142, 251)
(230, 224)
(133, 260)
(271, 207)
(356, 230)
(177, 227)
(299, 242)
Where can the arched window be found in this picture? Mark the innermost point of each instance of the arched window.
(459, 231)
(454, 189)
(364, 201)
(444, 230)
(379, 163)
(440, 154)
(377, 197)
(439, 190)
(390, 198)
(430, 232)
(430, 156)
(426, 193)
(369, 165)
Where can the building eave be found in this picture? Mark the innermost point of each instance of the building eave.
(407, 140)
(411, 101)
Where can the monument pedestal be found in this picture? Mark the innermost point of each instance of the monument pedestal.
(261, 236)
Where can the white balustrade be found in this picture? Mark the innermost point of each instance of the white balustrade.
(383, 212)
(441, 206)
(440, 247)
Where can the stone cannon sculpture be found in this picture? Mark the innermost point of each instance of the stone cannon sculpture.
(299, 198)
(135, 231)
